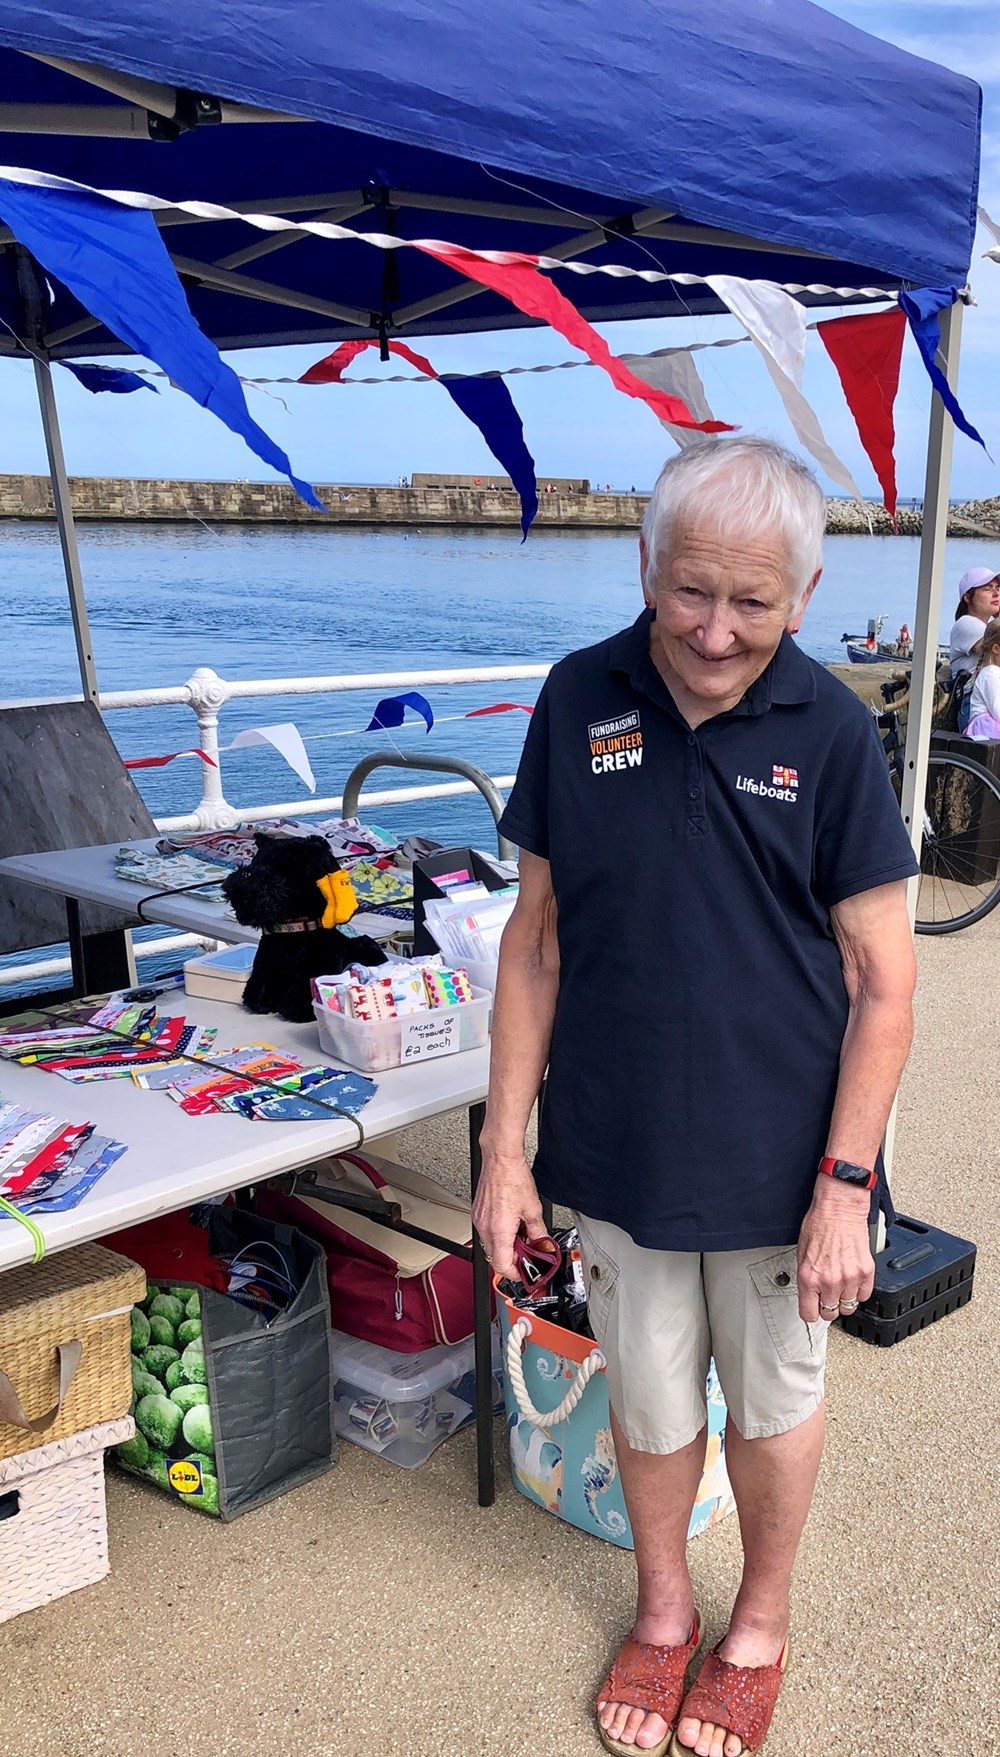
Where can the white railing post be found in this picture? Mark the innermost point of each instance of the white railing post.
(207, 694)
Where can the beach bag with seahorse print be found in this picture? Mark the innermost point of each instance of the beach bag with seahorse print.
(562, 1454)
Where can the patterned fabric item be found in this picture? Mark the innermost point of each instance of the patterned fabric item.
(168, 872)
(375, 887)
(649, 1677)
(739, 1697)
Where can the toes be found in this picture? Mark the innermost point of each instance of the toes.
(617, 1719)
(632, 1725)
(733, 1746)
(688, 1731)
(718, 1741)
(703, 1745)
(654, 1730)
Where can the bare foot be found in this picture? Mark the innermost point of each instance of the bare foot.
(748, 1647)
(633, 1726)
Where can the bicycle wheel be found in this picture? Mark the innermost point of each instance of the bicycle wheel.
(960, 856)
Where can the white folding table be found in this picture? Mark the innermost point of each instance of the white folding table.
(174, 1159)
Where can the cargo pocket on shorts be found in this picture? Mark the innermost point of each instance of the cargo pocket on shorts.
(601, 1277)
(775, 1282)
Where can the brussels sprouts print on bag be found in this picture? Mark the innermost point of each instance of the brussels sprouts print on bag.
(232, 1397)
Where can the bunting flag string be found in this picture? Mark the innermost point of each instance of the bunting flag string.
(389, 715)
(866, 351)
(328, 229)
(486, 402)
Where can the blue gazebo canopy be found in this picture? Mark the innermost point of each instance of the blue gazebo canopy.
(761, 138)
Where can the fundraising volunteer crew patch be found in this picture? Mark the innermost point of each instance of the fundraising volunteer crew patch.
(615, 744)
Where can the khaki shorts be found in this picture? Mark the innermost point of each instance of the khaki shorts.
(661, 1316)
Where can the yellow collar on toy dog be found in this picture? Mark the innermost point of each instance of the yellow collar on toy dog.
(341, 902)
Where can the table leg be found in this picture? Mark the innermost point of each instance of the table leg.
(483, 1332)
(100, 961)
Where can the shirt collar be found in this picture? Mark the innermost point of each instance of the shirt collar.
(787, 681)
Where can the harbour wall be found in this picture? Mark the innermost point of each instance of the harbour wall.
(163, 501)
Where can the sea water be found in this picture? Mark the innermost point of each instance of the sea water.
(265, 602)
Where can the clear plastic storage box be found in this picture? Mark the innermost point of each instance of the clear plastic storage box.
(404, 1405)
(378, 1044)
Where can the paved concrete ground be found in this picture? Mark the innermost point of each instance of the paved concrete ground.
(382, 1611)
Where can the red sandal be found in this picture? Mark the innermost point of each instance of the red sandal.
(650, 1678)
(740, 1698)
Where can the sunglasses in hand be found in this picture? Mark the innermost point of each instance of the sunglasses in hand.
(538, 1260)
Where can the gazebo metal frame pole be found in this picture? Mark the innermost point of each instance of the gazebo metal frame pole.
(32, 288)
(67, 527)
(927, 621)
(937, 483)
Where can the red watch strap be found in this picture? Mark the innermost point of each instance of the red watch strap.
(827, 1164)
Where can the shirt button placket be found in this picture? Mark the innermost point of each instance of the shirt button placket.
(694, 789)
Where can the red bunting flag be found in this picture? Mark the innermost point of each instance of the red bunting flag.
(518, 279)
(499, 708)
(866, 351)
(331, 368)
(157, 762)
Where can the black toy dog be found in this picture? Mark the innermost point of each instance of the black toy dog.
(295, 892)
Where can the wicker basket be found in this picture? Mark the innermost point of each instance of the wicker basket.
(65, 1332)
(53, 1520)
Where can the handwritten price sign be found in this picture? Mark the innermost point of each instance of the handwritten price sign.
(425, 1036)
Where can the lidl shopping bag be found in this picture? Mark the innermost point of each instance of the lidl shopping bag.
(233, 1401)
(562, 1454)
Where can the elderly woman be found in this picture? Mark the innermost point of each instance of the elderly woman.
(711, 954)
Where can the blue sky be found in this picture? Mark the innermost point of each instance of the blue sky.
(576, 424)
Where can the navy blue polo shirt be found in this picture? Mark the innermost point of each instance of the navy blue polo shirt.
(701, 1006)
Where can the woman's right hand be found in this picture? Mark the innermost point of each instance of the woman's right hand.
(506, 1200)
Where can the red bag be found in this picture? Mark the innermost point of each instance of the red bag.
(172, 1248)
(385, 1287)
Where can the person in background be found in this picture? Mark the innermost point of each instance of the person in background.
(978, 603)
(984, 702)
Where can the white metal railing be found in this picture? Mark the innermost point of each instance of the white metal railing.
(206, 694)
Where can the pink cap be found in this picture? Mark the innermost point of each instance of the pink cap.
(977, 576)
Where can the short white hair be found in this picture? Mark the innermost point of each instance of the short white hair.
(743, 488)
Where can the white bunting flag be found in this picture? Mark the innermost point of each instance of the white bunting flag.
(286, 739)
(776, 323)
(674, 371)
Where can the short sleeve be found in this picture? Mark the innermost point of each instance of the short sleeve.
(964, 636)
(988, 687)
(860, 840)
(526, 820)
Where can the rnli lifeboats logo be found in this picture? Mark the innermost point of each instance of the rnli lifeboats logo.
(784, 784)
(615, 744)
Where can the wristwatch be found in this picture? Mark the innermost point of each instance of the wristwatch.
(846, 1173)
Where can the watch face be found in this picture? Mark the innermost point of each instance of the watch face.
(851, 1174)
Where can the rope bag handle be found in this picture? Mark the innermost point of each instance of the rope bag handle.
(594, 1363)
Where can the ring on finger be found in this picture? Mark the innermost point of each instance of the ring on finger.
(849, 1305)
(834, 1309)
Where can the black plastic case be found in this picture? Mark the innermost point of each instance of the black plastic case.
(920, 1276)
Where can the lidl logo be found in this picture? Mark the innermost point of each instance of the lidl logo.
(184, 1476)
